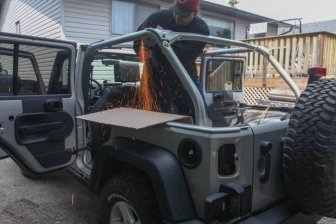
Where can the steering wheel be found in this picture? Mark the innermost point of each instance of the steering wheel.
(97, 90)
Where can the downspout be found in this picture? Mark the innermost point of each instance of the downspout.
(62, 22)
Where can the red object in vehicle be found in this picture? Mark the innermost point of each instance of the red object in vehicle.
(315, 73)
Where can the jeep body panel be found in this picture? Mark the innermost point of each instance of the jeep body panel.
(206, 173)
(38, 130)
(266, 192)
(160, 165)
(2, 154)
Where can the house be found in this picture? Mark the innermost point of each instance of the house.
(89, 21)
(326, 26)
(313, 27)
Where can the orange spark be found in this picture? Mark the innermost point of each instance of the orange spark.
(144, 97)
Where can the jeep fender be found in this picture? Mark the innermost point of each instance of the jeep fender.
(162, 168)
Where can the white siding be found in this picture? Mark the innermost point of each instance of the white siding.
(89, 21)
(86, 20)
(38, 18)
(240, 28)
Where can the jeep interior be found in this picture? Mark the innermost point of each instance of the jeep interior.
(115, 81)
(115, 74)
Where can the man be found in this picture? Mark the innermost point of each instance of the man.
(181, 17)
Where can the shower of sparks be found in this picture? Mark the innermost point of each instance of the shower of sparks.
(146, 94)
(144, 97)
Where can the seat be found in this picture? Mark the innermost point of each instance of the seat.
(6, 84)
(113, 96)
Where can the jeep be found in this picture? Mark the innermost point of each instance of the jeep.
(229, 160)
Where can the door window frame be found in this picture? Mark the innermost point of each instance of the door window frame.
(230, 22)
(18, 40)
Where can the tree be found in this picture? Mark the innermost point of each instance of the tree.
(233, 3)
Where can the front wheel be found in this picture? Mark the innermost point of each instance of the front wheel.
(129, 198)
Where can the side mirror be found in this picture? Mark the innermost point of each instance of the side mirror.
(224, 74)
(223, 87)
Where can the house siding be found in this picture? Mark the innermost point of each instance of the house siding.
(90, 21)
(240, 29)
(37, 18)
(87, 21)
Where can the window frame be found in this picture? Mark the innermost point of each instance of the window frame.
(226, 20)
(136, 5)
(223, 59)
(15, 83)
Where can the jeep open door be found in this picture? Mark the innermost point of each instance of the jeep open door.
(37, 102)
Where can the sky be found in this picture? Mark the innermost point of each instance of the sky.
(308, 10)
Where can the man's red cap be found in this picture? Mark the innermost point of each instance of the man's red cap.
(185, 7)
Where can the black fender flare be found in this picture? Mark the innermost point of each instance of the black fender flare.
(161, 166)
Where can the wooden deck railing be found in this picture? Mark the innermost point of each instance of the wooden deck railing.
(296, 53)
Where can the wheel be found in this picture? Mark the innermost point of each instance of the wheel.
(96, 89)
(99, 86)
(309, 153)
(129, 198)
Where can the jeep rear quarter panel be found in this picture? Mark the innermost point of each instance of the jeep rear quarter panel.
(204, 179)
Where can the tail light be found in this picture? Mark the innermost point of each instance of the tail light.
(316, 73)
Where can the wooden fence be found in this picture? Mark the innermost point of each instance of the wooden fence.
(296, 53)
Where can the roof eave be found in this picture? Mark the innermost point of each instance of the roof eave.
(234, 12)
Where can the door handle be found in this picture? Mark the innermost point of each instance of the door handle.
(38, 128)
(53, 105)
(264, 163)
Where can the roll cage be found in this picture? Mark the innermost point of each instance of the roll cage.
(164, 39)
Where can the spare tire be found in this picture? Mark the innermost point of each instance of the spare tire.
(309, 153)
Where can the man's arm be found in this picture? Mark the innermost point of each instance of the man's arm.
(151, 21)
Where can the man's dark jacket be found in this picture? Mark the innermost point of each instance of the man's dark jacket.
(186, 51)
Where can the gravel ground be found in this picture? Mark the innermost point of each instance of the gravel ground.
(54, 199)
(60, 199)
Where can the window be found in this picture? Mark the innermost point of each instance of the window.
(224, 74)
(220, 28)
(116, 67)
(33, 70)
(6, 69)
(127, 15)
